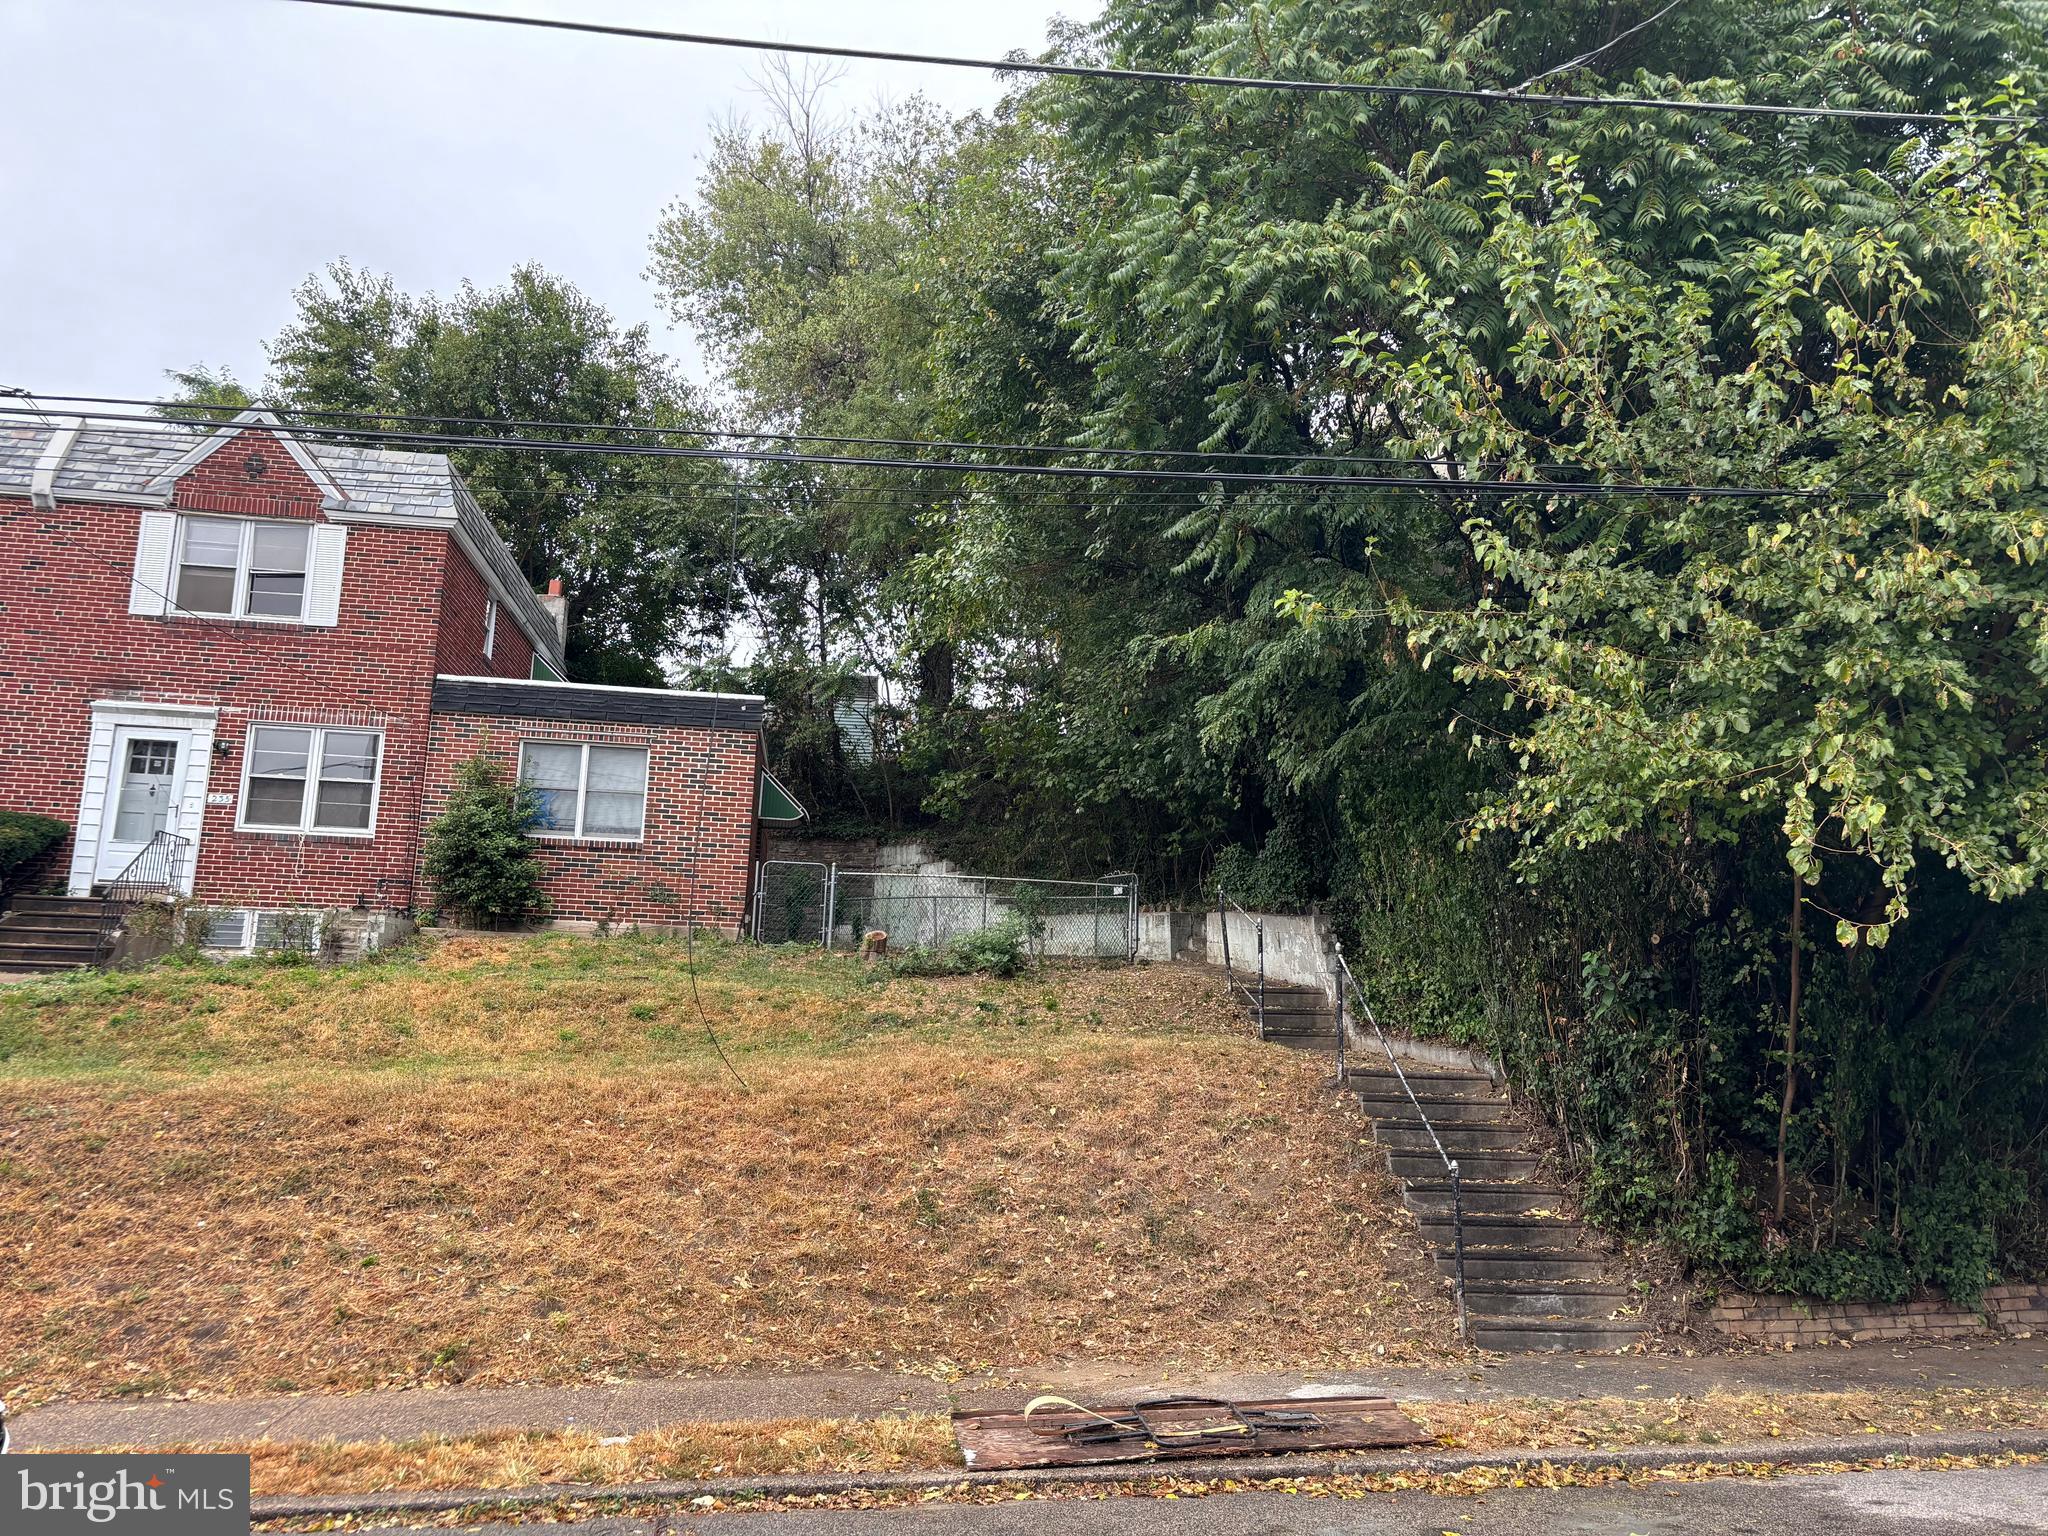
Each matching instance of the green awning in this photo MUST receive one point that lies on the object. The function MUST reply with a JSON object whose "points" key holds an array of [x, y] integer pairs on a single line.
{"points": [[776, 803]]}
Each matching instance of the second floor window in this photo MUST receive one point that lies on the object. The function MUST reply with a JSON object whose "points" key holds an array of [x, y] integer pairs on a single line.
{"points": [[490, 627], [242, 568]]}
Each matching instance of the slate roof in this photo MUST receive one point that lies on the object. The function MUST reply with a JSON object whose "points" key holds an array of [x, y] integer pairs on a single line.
{"points": [[127, 461], [123, 460]]}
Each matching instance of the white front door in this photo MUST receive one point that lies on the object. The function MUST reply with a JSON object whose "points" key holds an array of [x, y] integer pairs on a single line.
{"points": [[145, 783]]}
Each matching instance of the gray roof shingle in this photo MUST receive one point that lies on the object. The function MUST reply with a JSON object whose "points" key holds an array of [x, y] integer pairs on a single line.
{"points": [[125, 460]]}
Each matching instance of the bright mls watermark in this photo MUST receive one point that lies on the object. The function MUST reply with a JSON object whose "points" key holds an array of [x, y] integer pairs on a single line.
{"points": [[53, 1495]]}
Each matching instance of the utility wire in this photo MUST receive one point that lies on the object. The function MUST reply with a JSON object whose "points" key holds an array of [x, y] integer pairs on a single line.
{"points": [[1018, 64], [953, 445], [1593, 53], [1436, 485]]}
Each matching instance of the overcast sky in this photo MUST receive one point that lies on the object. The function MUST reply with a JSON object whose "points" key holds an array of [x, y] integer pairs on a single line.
{"points": [[176, 167]]}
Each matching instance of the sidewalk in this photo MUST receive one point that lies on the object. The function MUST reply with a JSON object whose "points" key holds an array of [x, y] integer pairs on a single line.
{"points": [[634, 1407]]}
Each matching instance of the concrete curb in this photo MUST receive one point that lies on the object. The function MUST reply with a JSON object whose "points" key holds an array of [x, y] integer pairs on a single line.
{"points": [[1243, 1468]]}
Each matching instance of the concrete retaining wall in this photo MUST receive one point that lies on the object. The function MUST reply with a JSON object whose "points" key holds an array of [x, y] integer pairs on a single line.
{"points": [[1297, 947], [2018, 1310]]}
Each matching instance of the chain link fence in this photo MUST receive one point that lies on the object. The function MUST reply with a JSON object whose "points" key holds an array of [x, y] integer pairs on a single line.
{"points": [[792, 902], [1063, 919]]}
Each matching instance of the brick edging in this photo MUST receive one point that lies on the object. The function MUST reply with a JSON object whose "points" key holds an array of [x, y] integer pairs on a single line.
{"points": [[2004, 1309]]}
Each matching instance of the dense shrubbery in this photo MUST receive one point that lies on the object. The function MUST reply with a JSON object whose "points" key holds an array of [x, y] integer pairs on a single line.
{"points": [[25, 837], [1002, 949], [1636, 997], [479, 857]]}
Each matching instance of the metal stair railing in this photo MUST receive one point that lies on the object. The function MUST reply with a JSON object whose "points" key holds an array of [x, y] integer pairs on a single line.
{"points": [[1346, 982], [151, 872], [1224, 907]]}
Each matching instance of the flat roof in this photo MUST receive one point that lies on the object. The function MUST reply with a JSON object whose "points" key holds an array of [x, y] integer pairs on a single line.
{"points": [[542, 699]]}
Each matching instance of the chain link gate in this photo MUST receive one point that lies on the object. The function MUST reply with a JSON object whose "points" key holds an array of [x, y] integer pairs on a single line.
{"points": [[792, 902]]}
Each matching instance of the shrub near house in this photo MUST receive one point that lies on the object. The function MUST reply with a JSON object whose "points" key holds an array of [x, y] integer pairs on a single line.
{"points": [[24, 839]]}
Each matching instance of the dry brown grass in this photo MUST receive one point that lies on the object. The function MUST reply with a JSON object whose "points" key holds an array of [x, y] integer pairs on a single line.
{"points": [[1716, 1418], [925, 1441], [949, 1174]]}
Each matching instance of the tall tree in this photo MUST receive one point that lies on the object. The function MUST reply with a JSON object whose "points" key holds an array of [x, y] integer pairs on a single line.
{"points": [[643, 545]]}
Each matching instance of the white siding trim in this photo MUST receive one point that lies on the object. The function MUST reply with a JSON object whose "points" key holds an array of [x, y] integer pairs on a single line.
{"points": [[196, 723], [227, 432]]}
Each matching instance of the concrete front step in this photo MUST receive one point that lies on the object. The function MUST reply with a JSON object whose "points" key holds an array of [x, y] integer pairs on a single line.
{"points": [[1483, 1231], [1529, 1266], [50, 932], [55, 906], [1322, 1045], [1488, 1167], [1441, 1111], [1413, 1136], [1553, 1335], [19, 963], [1560, 1298], [1381, 1083], [1427, 1196]]}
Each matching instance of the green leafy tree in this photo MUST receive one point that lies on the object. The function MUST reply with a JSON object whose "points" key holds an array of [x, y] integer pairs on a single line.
{"points": [[479, 858], [641, 544]]}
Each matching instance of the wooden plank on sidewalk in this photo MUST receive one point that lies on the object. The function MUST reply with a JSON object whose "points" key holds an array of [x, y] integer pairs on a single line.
{"points": [[1064, 1436]]}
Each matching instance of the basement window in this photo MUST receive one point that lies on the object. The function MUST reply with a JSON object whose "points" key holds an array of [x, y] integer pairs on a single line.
{"points": [[227, 930], [241, 931]]}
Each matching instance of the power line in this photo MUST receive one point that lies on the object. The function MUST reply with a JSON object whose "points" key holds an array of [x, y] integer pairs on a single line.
{"points": [[1435, 485], [1018, 64], [953, 445], [1593, 53]]}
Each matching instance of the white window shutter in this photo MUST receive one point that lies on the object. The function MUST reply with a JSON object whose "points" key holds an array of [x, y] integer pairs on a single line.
{"points": [[149, 587], [323, 574]]}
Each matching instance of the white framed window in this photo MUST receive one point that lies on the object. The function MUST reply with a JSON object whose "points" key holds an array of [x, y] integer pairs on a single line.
{"points": [[586, 792], [303, 778], [490, 626], [243, 568], [227, 930], [244, 931]]}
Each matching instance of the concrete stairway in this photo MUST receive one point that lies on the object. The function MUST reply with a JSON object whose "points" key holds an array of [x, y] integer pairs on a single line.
{"points": [[49, 933], [1531, 1282], [1297, 1016]]}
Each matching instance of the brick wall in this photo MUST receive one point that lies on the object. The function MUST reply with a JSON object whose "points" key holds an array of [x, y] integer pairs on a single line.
{"points": [[67, 639], [698, 840], [1781, 1320], [464, 599]]}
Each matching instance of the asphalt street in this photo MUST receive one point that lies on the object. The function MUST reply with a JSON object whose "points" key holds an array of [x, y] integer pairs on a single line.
{"points": [[1891, 1503]]}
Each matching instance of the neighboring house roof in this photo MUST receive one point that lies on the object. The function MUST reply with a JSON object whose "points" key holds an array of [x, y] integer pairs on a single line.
{"points": [[140, 463], [537, 700]]}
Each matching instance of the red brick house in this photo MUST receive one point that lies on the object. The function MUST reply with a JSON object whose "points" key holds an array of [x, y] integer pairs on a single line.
{"points": [[266, 655]]}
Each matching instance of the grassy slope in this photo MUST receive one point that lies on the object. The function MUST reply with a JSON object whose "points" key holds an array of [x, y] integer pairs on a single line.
{"points": [[520, 1160]]}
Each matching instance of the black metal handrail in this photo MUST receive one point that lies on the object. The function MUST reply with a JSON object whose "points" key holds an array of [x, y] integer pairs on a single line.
{"points": [[1346, 982], [151, 872], [1224, 907]]}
